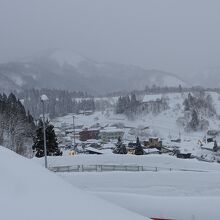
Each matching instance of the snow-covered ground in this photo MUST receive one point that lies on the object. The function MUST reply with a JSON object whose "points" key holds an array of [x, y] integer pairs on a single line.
{"points": [[28, 191], [184, 195], [172, 195], [175, 194]]}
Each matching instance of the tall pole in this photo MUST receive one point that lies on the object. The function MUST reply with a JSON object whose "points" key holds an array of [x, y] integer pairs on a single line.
{"points": [[45, 145], [74, 133]]}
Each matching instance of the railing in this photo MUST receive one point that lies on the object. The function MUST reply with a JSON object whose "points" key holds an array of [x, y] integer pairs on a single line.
{"points": [[106, 168]]}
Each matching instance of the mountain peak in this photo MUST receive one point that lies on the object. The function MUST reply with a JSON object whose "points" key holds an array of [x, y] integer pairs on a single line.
{"points": [[61, 56], [66, 56]]}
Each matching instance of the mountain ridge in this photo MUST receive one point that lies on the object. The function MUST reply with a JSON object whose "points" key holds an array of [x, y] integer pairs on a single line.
{"points": [[65, 69]]}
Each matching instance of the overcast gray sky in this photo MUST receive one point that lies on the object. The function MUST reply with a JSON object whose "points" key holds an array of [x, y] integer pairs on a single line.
{"points": [[173, 35]]}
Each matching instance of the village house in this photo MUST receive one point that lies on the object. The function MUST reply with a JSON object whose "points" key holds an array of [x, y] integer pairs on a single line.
{"points": [[110, 133], [88, 134]]}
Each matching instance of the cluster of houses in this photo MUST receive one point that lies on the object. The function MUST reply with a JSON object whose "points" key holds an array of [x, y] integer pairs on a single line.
{"points": [[94, 139], [99, 140], [66, 134]]}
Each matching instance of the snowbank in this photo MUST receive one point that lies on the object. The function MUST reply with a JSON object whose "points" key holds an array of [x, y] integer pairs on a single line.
{"points": [[28, 191]]}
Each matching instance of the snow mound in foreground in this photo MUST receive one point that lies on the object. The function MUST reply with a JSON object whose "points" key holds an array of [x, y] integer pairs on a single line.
{"points": [[28, 191]]}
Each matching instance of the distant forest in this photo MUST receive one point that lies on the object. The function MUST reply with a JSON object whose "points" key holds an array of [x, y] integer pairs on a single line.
{"points": [[60, 102], [154, 89]]}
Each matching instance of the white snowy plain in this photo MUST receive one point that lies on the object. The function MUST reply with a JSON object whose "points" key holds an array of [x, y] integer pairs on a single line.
{"points": [[29, 191], [169, 195], [175, 194]]}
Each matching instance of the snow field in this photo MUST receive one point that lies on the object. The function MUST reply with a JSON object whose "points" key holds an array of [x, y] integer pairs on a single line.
{"points": [[28, 191], [174, 195], [182, 195]]}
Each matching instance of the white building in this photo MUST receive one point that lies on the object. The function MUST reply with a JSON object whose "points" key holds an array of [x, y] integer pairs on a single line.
{"points": [[110, 133]]}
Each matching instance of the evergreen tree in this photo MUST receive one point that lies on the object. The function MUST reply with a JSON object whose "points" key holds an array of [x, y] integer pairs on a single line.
{"points": [[194, 123], [180, 88], [186, 105], [215, 148], [120, 147], [51, 141], [138, 149], [133, 99]]}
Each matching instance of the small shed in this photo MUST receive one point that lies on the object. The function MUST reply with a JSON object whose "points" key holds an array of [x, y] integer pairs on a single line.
{"points": [[153, 142]]}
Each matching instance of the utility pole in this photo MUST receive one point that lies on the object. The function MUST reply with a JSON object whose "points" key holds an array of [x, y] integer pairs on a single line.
{"points": [[43, 99], [74, 133], [179, 135], [45, 144]]}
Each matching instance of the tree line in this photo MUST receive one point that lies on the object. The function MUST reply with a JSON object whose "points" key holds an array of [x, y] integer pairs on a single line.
{"points": [[17, 127], [60, 102], [131, 107], [197, 108]]}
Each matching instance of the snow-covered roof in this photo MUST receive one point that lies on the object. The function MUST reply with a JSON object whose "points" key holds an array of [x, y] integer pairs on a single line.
{"points": [[149, 150], [94, 150], [111, 129], [208, 146], [91, 141]]}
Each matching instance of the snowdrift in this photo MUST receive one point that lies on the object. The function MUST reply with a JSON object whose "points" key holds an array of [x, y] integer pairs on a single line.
{"points": [[28, 191]]}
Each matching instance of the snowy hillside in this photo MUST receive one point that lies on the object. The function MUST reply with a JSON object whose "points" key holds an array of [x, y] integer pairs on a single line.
{"points": [[28, 191]]}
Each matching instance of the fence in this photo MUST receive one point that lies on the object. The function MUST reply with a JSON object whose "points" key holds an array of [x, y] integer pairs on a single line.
{"points": [[106, 168]]}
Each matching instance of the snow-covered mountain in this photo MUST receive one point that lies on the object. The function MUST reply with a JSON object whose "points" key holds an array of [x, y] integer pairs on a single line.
{"points": [[66, 69]]}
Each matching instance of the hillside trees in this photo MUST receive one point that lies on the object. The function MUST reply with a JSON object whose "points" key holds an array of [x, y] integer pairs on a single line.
{"points": [[197, 107], [202, 103], [60, 102], [131, 107], [16, 126], [127, 104]]}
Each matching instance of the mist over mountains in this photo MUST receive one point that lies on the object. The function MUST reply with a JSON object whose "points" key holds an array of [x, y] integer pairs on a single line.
{"points": [[65, 69]]}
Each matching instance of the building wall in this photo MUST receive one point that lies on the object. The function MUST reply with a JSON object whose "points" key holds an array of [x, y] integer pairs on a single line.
{"points": [[90, 134], [106, 136]]}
